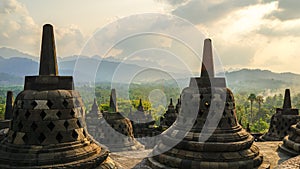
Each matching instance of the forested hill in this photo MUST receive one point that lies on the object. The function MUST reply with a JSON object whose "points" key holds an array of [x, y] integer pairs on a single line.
{"points": [[247, 80], [15, 65]]}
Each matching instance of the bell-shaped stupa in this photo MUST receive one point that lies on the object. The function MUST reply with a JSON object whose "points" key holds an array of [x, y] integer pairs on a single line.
{"points": [[93, 119], [47, 129], [117, 131], [170, 116], [291, 142], [282, 120], [211, 138]]}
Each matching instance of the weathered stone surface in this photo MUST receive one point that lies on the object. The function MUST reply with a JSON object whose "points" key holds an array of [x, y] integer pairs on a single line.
{"points": [[291, 143], [211, 139], [111, 128], [293, 163], [46, 130], [142, 123], [282, 120]]}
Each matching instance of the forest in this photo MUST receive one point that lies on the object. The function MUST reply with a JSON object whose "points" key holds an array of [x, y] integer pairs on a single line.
{"points": [[251, 108]]}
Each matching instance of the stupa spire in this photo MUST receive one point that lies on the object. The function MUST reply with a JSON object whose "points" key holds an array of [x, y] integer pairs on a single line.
{"points": [[140, 106], [171, 102], [287, 100], [207, 69], [113, 101], [9, 105], [95, 106], [48, 61]]}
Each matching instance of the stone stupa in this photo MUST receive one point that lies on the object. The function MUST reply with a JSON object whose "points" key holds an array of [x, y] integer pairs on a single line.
{"points": [[142, 122], [117, 130], [92, 119], [282, 120], [170, 116], [47, 129], [291, 142], [6, 123], [208, 143]]}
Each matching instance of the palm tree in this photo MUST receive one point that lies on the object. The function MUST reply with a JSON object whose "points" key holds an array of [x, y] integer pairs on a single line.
{"points": [[259, 100], [251, 98]]}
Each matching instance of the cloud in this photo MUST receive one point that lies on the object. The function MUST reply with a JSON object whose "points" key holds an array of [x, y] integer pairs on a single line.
{"points": [[206, 11], [287, 10], [16, 26], [19, 30], [69, 40]]}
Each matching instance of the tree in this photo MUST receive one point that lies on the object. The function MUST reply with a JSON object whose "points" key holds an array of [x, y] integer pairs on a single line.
{"points": [[259, 99], [251, 98]]}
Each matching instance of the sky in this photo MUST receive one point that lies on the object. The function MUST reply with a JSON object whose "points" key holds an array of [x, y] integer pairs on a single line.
{"points": [[253, 34]]}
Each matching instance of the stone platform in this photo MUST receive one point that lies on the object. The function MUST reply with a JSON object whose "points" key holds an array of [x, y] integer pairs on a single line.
{"points": [[277, 159]]}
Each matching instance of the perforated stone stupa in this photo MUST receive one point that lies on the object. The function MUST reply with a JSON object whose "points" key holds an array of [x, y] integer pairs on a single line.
{"points": [[93, 120], [282, 120], [142, 122], [116, 130], [47, 126], [291, 142], [171, 115], [213, 139]]}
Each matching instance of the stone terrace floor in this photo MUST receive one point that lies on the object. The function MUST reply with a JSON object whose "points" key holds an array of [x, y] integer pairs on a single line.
{"points": [[130, 159]]}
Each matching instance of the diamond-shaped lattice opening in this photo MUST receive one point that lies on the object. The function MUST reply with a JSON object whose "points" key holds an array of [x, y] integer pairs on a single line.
{"points": [[25, 138], [79, 124], [74, 134], [27, 114], [20, 125], [33, 104], [72, 113], [33, 126], [49, 104], [43, 114], [224, 113], [41, 137], [84, 133], [232, 112], [16, 113], [201, 96], [58, 114], [77, 103], [229, 121], [66, 124], [65, 103], [51, 126], [14, 135], [227, 104], [59, 137], [22, 104]]}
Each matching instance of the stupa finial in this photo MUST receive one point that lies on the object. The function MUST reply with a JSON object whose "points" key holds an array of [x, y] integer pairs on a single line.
{"points": [[9, 105], [207, 69], [140, 106], [48, 61], [287, 100], [113, 100]]}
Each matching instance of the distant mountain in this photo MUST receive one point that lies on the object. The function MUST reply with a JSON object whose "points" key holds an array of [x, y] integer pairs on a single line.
{"points": [[256, 80], [18, 66], [9, 53], [8, 79], [92, 69]]}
